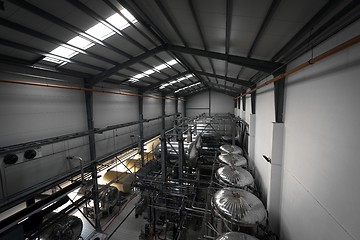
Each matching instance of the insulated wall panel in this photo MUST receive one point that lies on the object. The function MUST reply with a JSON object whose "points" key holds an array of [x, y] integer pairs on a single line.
{"points": [[221, 103], [263, 137], [29, 113], [111, 109], [152, 109], [322, 141]]}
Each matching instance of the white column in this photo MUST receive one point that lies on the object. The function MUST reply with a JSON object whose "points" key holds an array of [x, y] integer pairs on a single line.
{"points": [[274, 194]]}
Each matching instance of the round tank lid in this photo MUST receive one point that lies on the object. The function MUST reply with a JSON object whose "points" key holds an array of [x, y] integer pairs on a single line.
{"points": [[235, 236], [227, 148], [232, 159], [239, 206], [234, 176]]}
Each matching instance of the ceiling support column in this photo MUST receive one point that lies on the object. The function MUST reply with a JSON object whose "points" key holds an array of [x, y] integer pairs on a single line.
{"points": [[92, 147], [141, 129], [279, 90]]}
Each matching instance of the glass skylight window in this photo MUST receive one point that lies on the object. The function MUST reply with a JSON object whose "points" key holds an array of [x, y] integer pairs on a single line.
{"points": [[54, 60], [80, 43], [175, 81], [155, 69], [190, 86], [128, 15], [161, 67], [99, 31], [172, 62], [148, 72]]}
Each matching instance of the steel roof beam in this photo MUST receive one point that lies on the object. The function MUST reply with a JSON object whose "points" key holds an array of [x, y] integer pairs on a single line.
{"points": [[122, 34], [176, 29], [274, 5], [260, 65], [347, 15], [320, 15], [197, 22], [215, 88], [244, 83], [105, 74], [43, 14], [117, 10]]}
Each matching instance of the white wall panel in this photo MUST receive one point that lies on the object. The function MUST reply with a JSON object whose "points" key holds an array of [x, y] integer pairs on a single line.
{"points": [[169, 106], [29, 113], [110, 109], [221, 103], [248, 109], [322, 141], [263, 137], [152, 109], [218, 104]]}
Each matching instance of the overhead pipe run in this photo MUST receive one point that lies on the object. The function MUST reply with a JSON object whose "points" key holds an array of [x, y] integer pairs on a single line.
{"points": [[85, 89], [312, 61]]}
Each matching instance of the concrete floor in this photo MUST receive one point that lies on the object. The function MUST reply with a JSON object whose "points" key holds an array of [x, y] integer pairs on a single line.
{"points": [[130, 229]]}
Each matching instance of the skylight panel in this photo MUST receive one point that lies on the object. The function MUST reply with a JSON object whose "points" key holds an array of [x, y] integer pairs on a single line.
{"points": [[172, 62], [133, 80], [190, 86], [118, 21], [128, 15], [148, 72], [63, 52], [161, 67], [140, 75], [54, 60], [100, 31], [80, 42]]}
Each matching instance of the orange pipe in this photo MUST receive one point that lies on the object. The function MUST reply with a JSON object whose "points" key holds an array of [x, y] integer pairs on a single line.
{"points": [[312, 61], [84, 89]]}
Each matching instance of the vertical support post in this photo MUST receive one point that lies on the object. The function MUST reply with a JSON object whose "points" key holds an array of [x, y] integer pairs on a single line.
{"points": [[210, 102], [181, 153], [141, 130], [163, 113], [90, 122], [189, 135], [176, 111], [185, 104], [176, 105], [238, 107], [279, 92], [243, 103], [253, 101], [163, 156]]}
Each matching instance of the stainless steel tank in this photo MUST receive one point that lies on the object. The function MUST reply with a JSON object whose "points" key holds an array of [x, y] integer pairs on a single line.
{"points": [[227, 148], [238, 206], [235, 236], [236, 160], [234, 177]]}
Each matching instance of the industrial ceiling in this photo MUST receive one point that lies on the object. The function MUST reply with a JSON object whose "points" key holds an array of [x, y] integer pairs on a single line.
{"points": [[172, 47]]}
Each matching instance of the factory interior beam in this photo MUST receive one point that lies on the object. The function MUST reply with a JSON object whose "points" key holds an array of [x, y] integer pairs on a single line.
{"points": [[260, 65], [242, 82]]}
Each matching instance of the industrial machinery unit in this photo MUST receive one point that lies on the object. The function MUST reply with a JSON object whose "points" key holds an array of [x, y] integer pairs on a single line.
{"points": [[201, 187]]}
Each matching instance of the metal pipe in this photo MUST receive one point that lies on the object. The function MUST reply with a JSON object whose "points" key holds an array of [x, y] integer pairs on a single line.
{"points": [[85, 89], [312, 61], [15, 218]]}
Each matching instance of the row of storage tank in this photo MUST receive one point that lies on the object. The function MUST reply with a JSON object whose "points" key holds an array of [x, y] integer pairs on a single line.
{"points": [[236, 203]]}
